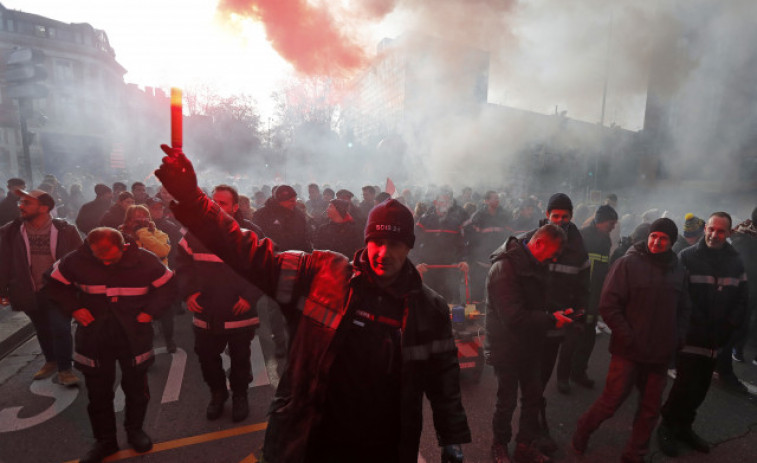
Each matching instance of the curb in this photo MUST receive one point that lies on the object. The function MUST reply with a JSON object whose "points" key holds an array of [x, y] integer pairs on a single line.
{"points": [[15, 330]]}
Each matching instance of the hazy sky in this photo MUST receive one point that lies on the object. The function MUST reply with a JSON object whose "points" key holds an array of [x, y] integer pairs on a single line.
{"points": [[175, 42]]}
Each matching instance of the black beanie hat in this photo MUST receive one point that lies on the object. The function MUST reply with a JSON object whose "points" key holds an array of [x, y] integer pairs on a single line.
{"points": [[341, 206], [666, 226], [283, 193], [391, 220], [605, 213], [560, 201]]}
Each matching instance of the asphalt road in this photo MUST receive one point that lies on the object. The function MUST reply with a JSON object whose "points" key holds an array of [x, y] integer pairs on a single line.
{"points": [[44, 422]]}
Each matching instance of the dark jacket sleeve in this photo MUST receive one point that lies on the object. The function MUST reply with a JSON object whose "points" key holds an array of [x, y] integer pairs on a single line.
{"points": [[254, 259], [443, 389], [186, 275], [612, 303], [162, 289], [739, 314], [6, 266], [684, 312], [508, 300], [60, 287]]}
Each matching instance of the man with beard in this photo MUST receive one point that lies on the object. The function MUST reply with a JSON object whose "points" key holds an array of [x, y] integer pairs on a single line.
{"points": [[29, 245], [369, 340]]}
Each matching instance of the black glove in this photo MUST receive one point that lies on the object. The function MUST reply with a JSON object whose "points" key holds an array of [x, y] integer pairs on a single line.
{"points": [[452, 454], [177, 175]]}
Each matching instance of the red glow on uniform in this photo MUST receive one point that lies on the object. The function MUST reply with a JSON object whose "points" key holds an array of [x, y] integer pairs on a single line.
{"points": [[306, 33]]}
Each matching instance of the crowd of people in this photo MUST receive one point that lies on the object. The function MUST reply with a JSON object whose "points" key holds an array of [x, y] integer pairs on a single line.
{"points": [[356, 296]]}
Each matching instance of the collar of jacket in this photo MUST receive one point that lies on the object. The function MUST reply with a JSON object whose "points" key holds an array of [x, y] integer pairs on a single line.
{"points": [[666, 259], [129, 259], [726, 250], [408, 282]]}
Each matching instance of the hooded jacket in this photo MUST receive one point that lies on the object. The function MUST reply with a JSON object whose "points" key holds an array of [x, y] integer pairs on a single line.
{"points": [[138, 282], [318, 294], [645, 303], [516, 322], [15, 276], [718, 289]]}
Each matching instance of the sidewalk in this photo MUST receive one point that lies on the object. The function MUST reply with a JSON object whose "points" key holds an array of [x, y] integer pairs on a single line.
{"points": [[15, 329]]}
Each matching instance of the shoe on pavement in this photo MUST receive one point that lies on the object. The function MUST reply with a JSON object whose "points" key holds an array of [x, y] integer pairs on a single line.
{"points": [[583, 381], [139, 440], [563, 386], [171, 346], [215, 407], [579, 442], [67, 378], [99, 451], [239, 407], [667, 440], [693, 440], [499, 454], [737, 356], [732, 383], [672, 373], [47, 370], [546, 444], [529, 453]]}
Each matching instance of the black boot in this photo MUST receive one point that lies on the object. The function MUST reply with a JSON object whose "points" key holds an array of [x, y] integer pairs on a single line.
{"points": [[215, 407], [666, 439], [688, 436], [239, 407], [139, 440], [100, 450]]}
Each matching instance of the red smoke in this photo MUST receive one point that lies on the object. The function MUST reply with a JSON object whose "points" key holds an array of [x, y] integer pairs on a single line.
{"points": [[307, 34]]}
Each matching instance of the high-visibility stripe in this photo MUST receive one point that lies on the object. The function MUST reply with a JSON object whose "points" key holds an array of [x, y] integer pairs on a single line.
{"points": [[92, 289], [57, 275], [163, 279], [142, 358], [711, 353], [242, 323], [81, 359], [110, 292], [568, 269], [228, 325], [206, 257], [424, 351], [427, 230], [711, 280], [290, 262], [140, 291], [598, 257], [380, 319], [326, 317]]}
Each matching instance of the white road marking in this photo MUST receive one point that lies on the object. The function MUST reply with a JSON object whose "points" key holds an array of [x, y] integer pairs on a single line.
{"points": [[172, 390], [64, 397]]}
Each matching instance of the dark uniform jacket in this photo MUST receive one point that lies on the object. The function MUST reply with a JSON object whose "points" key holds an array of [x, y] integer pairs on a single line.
{"points": [[516, 322], [345, 238], [15, 277], [597, 246], [645, 303], [90, 214], [485, 233], [139, 282], [113, 217], [568, 278], [317, 293], [718, 289], [287, 228], [9, 208], [220, 287], [439, 240]]}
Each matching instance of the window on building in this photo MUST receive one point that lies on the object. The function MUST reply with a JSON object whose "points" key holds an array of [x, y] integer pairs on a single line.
{"points": [[40, 31], [64, 71]]}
